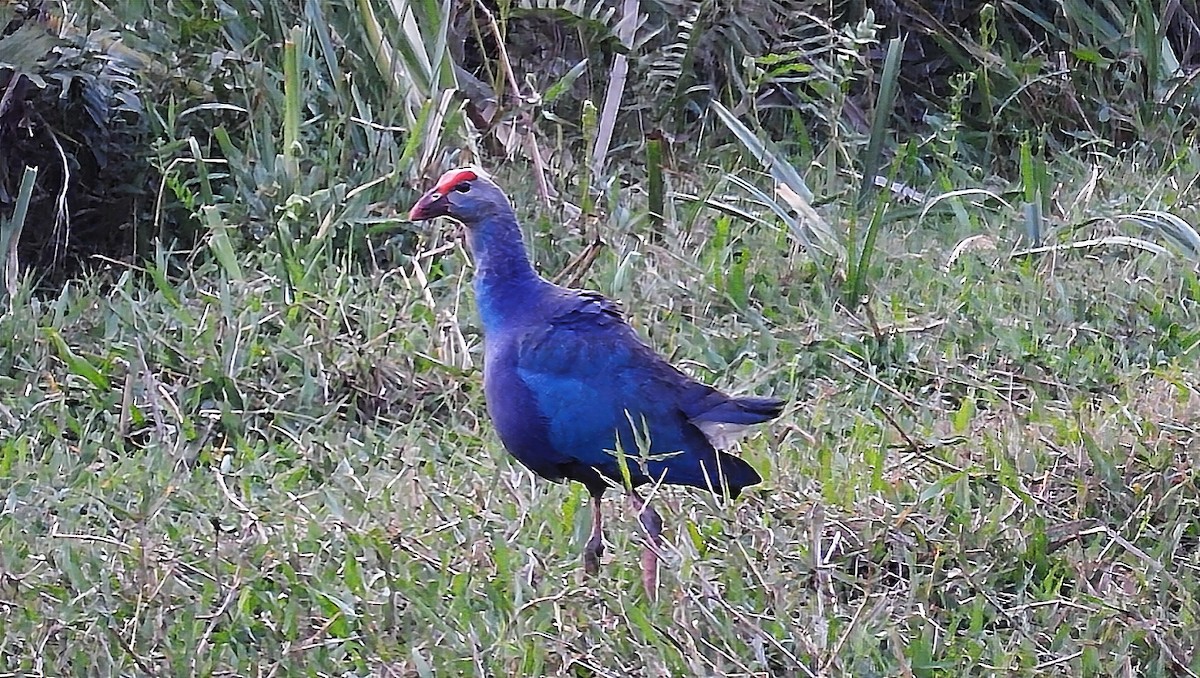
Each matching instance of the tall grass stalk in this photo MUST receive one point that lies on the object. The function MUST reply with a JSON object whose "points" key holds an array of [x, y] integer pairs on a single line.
{"points": [[872, 157], [11, 229]]}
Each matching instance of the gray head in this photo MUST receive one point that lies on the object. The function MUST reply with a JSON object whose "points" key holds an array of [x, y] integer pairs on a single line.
{"points": [[465, 194]]}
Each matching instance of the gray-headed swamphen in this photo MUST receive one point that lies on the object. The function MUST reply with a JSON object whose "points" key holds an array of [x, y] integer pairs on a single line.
{"points": [[568, 383]]}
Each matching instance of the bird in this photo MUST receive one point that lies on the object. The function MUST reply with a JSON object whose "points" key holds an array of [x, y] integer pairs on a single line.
{"points": [[573, 391]]}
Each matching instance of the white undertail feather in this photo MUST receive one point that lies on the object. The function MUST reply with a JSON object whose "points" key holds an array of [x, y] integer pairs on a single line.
{"points": [[721, 435]]}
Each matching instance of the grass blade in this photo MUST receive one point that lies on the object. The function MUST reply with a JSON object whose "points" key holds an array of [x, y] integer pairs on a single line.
{"points": [[10, 231], [872, 156], [654, 183], [563, 84], [220, 243], [292, 92], [616, 86], [1174, 227], [813, 231], [76, 363], [206, 190]]}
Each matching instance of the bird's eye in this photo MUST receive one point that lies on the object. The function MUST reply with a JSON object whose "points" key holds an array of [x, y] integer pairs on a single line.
{"points": [[463, 187]]}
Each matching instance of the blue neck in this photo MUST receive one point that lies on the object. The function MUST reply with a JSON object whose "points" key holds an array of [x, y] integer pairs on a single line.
{"points": [[505, 282]]}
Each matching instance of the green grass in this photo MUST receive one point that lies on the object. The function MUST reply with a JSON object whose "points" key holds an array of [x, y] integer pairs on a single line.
{"points": [[269, 455], [987, 469]]}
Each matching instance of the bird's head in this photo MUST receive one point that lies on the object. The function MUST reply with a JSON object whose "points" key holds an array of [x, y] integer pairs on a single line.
{"points": [[465, 194]]}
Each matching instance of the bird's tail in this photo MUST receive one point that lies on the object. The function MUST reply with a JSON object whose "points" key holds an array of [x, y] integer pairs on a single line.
{"points": [[720, 472], [744, 411], [737, 474], [721, 418]]}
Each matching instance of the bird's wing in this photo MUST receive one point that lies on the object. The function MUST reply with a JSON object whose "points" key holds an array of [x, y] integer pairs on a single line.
{"points": [[590, 340], [594, 380], [590, 373]]}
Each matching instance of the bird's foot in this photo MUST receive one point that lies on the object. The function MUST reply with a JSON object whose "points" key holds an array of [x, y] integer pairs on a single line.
{"points": [[592, 553], [650, 573], [652, 523], [594, 548]]}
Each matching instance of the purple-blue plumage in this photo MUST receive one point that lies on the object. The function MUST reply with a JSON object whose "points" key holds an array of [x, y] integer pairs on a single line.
{"points": [[568, 382]]}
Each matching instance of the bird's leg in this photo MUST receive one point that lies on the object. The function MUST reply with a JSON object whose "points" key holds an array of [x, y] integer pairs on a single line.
{"points": [[595, 544], [652, 523]]}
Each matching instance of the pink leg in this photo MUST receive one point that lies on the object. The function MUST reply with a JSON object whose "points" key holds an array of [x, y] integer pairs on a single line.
{"points": [[652, 523]]}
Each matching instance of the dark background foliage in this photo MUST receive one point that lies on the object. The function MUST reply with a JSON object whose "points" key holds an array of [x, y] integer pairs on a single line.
{"points": [[1063, 73]]}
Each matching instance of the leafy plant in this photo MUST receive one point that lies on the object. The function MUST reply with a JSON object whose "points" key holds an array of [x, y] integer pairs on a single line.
{"points": [[372, 86], [71, 108]]}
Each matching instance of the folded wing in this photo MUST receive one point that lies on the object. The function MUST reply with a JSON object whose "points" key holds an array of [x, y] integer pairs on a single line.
{"points": [[596, 383]]}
